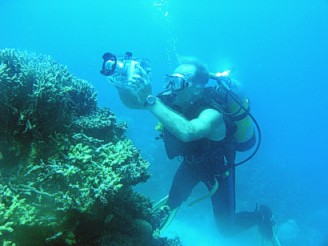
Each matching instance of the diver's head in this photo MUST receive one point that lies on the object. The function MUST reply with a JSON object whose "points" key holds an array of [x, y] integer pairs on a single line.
{"points": [[188, 80], [189, 77], [195, 69], [191, 73]]}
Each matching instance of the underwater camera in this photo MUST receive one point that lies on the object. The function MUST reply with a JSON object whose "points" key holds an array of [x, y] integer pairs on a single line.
{"points": [[120, 69]]}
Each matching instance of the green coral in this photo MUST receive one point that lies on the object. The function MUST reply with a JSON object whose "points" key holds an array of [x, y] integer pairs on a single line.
{"points": [[38, 98], [80, 153], [14, 210], [100, 124], [67, 169]]}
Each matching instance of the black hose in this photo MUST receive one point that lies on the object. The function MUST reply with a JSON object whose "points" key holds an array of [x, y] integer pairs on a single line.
{"points": [[237, 100], [258, 141]]}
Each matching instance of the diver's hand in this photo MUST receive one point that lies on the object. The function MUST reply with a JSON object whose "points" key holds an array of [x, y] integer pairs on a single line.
{"points": [[138, 89], [137, 82], [140, 80]]}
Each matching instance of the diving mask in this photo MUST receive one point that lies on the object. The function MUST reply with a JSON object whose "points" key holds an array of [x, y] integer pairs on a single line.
{"points": [[176, 81]]}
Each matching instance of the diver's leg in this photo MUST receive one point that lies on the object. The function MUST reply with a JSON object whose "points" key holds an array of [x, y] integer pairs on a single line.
{"points": [[224, 205], [223, 202], [229, 222], [183, 183]]}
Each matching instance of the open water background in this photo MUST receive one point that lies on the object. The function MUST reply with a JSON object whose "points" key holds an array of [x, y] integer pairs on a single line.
{"points": [[277, 49]]}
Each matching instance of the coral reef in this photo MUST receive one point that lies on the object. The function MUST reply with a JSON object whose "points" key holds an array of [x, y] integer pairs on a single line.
{"points": [[39, 97], [67, 170]]}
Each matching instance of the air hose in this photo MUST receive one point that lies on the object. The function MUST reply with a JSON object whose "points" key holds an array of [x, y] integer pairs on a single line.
{"points": [[221, 82]]}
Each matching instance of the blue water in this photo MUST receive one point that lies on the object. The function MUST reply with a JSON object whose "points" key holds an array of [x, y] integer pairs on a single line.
{"points": [[278, 49]]}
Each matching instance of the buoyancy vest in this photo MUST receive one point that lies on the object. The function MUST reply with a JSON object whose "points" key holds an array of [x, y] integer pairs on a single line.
{"points": [[203, 149]]}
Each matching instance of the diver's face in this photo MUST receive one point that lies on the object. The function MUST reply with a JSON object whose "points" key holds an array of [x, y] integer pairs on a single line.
{"points": [[188, 93], [181, 78]]}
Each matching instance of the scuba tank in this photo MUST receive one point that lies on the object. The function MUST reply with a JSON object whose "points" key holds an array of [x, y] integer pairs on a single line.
{"points": [[245, 128], [237, 108]]}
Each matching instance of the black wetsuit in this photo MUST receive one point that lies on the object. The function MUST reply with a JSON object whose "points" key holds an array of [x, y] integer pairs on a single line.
{"points": [[204, 161]]}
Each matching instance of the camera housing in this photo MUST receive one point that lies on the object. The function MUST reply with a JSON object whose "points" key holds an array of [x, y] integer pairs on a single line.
{"points": [[120, 69]]}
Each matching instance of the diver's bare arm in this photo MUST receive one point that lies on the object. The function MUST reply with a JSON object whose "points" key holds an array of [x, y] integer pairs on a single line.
{"points": [[184, 129]]}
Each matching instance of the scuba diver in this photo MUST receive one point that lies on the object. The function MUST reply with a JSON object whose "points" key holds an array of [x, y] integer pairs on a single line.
{"points": [[205, 126]]}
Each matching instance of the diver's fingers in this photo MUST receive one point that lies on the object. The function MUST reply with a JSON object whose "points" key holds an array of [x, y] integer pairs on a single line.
{"points": [[143, 79], [136, 82], [139, 80], [143, 73], [135, 79]]}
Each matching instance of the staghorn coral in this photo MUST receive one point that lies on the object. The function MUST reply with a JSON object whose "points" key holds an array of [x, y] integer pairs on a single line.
{"points": [[14, 210], [38, 98], [67, 169], [82, 177]]}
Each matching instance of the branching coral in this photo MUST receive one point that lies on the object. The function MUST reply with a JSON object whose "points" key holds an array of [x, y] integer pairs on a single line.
{"points": [[38, 96], [88, 177], [14, 211], [99, 124], [67, 168]]}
